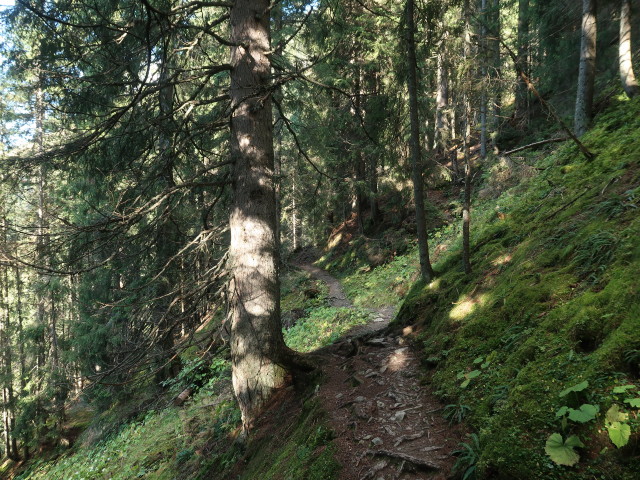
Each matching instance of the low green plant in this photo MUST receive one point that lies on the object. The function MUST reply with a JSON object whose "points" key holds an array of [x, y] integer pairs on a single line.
{"points": [[455, 413], [595, 253], [617, 420], [618, 204], [584, 414], [632, 358], [468, 455], [468, 376], [184, 456], [617, 427], [562, 451], [579, 387]]}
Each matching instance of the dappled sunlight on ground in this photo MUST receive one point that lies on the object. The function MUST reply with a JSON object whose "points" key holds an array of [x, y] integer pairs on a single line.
{"points": [[466, 306], [397, 360], [502, 260], [335, 241], [435, 285]]}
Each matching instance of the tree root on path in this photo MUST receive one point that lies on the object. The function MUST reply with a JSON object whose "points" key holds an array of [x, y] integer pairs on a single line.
{"points": [[418, 462]]}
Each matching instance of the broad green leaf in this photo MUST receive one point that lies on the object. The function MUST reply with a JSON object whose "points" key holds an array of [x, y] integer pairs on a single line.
{"points": [[460, 376], [473, 374], [619, 433], [586, 413], [478, 360], [579, 416], [573, 441], [615, 415], [634, 402], [562, 452], [576, 388], [623, 388], [562, 411], [465, 384]]}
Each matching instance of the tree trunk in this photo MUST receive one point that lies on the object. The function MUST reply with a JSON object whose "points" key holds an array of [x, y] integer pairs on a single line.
{"points": [[42, 243], [373, 191], [295, 230], [11, 446], [494, 45], [483, 78], [258, 353], [278, 123], [426, 271], [466, 206], [359, 163], [167, 243], [629, 82], [522, 93], [42, 238], [20, 338], [442, 100], [374, 80], [20, 333], [587, 73]]}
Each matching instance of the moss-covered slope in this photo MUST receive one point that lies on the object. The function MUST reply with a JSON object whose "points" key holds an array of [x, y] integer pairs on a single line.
{"points": [[554, 301]]}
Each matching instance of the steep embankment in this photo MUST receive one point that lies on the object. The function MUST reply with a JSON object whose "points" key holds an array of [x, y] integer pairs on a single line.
{"points": [[542, 341]]}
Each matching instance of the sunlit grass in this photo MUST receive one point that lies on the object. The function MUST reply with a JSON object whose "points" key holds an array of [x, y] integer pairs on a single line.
{"points": [[323, 326]]}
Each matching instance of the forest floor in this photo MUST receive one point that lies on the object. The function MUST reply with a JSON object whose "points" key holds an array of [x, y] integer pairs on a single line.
{"points": [[388, 425]]}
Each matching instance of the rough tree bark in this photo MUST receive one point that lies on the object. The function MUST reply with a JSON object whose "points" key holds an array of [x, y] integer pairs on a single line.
{"points": [[258, 353], [426, 271], [587, 73], [627, 77]]}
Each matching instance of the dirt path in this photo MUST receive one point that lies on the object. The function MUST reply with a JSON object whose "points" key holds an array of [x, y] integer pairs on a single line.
{"points": [[337, 298], [388, 426]]}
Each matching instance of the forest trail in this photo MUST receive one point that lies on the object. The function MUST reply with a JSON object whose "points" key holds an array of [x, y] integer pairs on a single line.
{"points": [[387, 424]]}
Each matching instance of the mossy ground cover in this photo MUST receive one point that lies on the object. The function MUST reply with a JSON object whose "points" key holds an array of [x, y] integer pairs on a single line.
{"points": [[317, 324], [373, 287], [167, 443], [196, 441], [300, 448], [553, 301]]}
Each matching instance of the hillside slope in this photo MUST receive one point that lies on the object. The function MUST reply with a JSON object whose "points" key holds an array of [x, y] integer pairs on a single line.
{"points": [[543, 339]]}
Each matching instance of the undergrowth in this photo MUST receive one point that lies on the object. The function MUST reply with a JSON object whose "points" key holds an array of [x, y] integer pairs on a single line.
{"points": [[552, 302], [323, 326], [168, 443], [197, 440]]}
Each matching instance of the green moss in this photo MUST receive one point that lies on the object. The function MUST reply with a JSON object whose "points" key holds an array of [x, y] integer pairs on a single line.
{"points": [[307, 453], [553, 300], [323, 326], [300, 292]]}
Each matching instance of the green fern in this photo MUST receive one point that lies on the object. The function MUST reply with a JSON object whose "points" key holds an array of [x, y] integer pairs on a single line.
{"points": [[468, 455]]}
